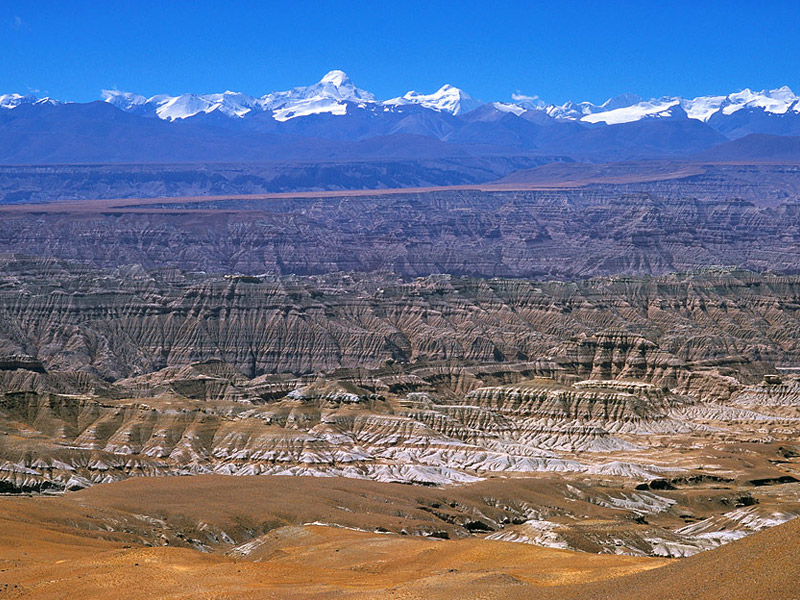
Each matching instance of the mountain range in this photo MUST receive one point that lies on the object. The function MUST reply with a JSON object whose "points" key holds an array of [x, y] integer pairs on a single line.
{"points": [[335, 120]]}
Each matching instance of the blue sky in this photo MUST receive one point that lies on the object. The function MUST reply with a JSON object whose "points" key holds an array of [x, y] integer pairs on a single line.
{"points": [[557, 50]]}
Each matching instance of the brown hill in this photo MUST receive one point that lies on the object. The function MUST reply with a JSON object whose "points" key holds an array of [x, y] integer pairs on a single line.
{"points": [[88, 546]]}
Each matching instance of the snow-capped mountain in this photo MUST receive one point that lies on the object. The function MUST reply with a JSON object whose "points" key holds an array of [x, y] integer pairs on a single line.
{"points": [[123, 100], [578, 110], [660, 108], [629, 108], [331, 94], [169, 108], [447, 99], [333, 118], [335, 92], [14, 100]]}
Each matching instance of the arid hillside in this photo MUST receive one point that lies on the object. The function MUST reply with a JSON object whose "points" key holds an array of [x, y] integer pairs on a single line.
{"points": [[93, 544]]}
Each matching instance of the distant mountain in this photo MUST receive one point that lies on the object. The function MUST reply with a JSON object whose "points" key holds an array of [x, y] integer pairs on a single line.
{"points": [[334, 119], [756, 148], [330, 95], [728, 114], [98, 132], [15, 100], [735, 114]]}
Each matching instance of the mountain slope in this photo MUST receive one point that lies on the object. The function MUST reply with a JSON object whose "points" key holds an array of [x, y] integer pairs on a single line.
{"points": [[640, 139], [756, 147], [100, 133], [763, 565]]}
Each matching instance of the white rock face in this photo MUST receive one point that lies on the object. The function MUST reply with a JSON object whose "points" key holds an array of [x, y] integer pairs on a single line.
{"points": [[538, 532]]}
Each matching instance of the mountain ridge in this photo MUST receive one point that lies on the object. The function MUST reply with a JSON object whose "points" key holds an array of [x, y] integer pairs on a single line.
{"points": [[337, 87], [333, 119]]}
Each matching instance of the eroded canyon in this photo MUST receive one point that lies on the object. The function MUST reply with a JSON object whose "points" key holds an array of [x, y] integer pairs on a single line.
{"points": [[411, 392], [652, 416]]}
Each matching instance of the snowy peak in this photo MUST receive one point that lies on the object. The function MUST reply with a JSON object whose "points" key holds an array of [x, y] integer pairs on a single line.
{"points": [[330, 95], [170, 108], [629, 108], [122, 100], [507, 107], [335, 85], [336, 94], [228, 103], [528, 102], [336, 78], [14, 100], [448, 99], [778, 101], [621, 101], [703, 107], [651, 109]]}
